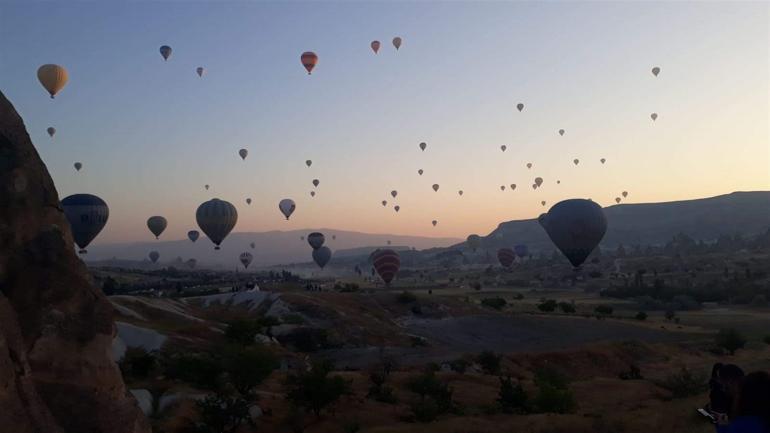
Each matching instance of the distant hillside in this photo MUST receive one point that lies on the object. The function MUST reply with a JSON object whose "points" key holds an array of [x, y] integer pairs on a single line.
{"points": [[706, 219], [271, 248]]}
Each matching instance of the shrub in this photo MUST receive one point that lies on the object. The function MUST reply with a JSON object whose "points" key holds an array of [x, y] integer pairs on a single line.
{"points": [[603, 310], [511, 397], [406, 297], [137, 363], [459, 365], [242, 331], [547, 305], [641, 315], [518, 296], [489, 362], [425, 410], [554, 400], [633, 373], [684, 383], [315, 390], [199, 369], [496, 303], [730, 340], [247, 367], [435, 396], [222, 414], [546, 376], [567, 307], [307, 339]]}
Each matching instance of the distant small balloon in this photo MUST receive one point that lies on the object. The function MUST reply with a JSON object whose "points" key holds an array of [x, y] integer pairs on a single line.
{"points": [[397, 42], [157, 224], [51, 131], [308, 163], [154, 256], [513, 186], [460, 192], [502, 187], [384, 202], [503, 147], [388, 242], [542, 202], [529, 165], [561, 132], [434, 222], [53, 78], [419, 172], [520, 106], [287, 207], [245, 259], [576, 161], [206, 186], [312, 193], [78, 166], [423, 145], [200, 71], [558, 182], [602, 160], [397, 208], [316, 182], [309, 59], [244, 153], [625, 194], [193, 235], [534, 186], [654, 116], [538, 181], [253, 245], [165, 51], [617, 199], [248, 201], [375, 46], [435, 187], [87, 215], [656, 71], [321, 256], [316, 240], [394, 193]]}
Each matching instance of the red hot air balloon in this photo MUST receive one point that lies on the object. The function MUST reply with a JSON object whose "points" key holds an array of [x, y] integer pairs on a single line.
{"points": [[386, 263], [309, 60], [506, 256]]}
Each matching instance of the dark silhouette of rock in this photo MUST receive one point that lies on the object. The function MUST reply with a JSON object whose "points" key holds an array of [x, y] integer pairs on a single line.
{"points": [[56, 328]]}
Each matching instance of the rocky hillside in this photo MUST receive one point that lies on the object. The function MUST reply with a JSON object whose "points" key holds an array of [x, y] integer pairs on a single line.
{"points": [[56, 328]]}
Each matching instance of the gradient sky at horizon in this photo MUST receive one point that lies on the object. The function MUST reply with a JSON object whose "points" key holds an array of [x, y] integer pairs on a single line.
{"points": [[150, 133]]}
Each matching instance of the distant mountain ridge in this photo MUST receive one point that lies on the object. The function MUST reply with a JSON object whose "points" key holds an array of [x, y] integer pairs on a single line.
{"points": [[704, 219]]}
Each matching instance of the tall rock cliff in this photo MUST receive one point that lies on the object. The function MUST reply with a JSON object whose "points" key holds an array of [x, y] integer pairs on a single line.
{"points": [[56, 328]]}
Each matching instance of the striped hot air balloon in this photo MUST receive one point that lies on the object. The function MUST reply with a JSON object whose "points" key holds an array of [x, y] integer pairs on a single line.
{"points": [[506, 256], [386, 263]]}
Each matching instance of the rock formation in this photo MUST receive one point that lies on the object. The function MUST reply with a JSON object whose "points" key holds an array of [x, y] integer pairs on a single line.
{"points": [[56, 328]]}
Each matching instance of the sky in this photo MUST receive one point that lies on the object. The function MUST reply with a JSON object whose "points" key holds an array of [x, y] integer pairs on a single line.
{"points": [[151, 134]]}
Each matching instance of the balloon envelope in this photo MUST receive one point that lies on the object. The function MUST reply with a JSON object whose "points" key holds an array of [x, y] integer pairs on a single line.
{"points": [[51, 131], [655, 71], [375, 47], [165, 51], [156, 224], [245, 259], [216, 218], [77, 166], [576, 227], [243, 153], [193, 235], [561, 132], [435, 187], [506, 256], [503, 147], [87, 215], [316, 182], [316, 240], [53, 78], [321, 256], [394, 193], [154, 256], [396, 208], [519, 106], [200, 71], [423, 145], [308, 163], [287, 207], [309, 59], [387, 263], [397, 42]]}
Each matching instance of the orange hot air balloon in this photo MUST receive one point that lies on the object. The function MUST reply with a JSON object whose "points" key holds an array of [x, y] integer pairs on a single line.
{"points": [[309, 60], [53, 78], [375, 46]]}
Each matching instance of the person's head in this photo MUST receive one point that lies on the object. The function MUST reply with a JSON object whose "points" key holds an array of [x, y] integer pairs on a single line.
{"points": [[730, 376], [753, 399]]}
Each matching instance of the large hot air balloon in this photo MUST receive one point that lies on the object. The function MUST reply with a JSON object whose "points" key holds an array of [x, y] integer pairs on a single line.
{"points": [[386, 262], [321, 256], [375, 47], [308, 163], [316, 240], [538, 181], [576, 227], [53, 78], [473, 241], [394, 193], [165, 51], [503, 147], [200, 71], [316, 182], [87, 215], [154, 256], [193, 235], [243, 153], [435, 187], [397, 42], [156, 224], [506, 256], [561, 132], [423, 145], [654, 116], [78, 165], [521, 250], [309, 60], [287, 206], [246, 259], [216, 218], [656, 71], [51, 131], [519, 106]]}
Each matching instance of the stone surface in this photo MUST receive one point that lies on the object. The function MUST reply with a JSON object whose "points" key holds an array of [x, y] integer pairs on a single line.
{"points": [[56, 328]]}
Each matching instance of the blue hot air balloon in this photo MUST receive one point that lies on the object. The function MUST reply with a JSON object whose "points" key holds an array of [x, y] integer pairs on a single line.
{"points": [[321, 256], [87, 215]]}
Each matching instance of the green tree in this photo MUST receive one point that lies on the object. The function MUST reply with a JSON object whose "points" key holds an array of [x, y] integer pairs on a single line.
{"points": [[315, 390], [222, 414], [242, 331], [247, 367], [511, 397]]}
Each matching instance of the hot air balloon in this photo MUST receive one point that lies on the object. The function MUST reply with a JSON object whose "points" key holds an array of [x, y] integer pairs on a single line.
{"points": [[193, 235], [388, 241], [542, 203], [460, 193], [602, 160], [78, 166], [87, 215], [312, 193], [200, 71], [655, 71], [309, 60], [519, 106], [384, 202], [375, 47], [396, 208], [617, 199], [316, 240], [397, 42], [419, 172], [321, 256], [206, 186], [558, 182], [243, 153], [216, 218], [625, 194], [308, 163], [529, 165], [165, 51], [156, 224], [534, 186], [154, 256], [287, 206], [513, 186], [394, 193], [248, 201], [253, 245], [423, 145], [503, 147], [434, 222], [538, 181], [246, 259], [654, 116], [51, 131], [576, 161], [561, 132], [191, 263], [435, 187], [316, 182], [53, 78], [387, 263], [502, 187], [521, 250], [506, 256], [576, 227], [473, 241]]}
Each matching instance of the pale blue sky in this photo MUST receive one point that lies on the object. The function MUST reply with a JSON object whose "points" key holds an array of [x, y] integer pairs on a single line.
{"points": [[151, 133]]}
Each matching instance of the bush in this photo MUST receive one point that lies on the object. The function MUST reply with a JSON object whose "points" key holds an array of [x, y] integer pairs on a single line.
{"points": [[567, 307], [406, 297], [307, 339], [518, 296], [435, 396], [546, 376], [315, 390], [496, 303], [460, 365], [137, 363], [633, 373], [222, 414], [730, 340], [554, 400], [547, 305], [641, 316], [242, 331], [684, 383], [199, 369], [425, 410], [511, 397], [489, 362], [603, 310], [247, 367]]}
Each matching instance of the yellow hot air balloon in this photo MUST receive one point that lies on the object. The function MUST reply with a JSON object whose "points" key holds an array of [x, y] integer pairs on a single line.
{"points": [[53, 78]]}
